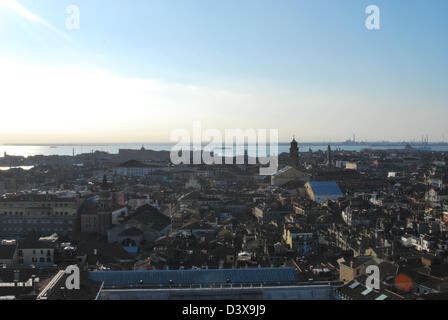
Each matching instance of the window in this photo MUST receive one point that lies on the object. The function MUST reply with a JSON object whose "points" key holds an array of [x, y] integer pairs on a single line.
{"points": [[42, 260]]}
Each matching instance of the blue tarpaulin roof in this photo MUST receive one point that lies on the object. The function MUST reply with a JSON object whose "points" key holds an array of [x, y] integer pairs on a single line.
{"points": [[325, 187], [131, 250], [188, 277]]}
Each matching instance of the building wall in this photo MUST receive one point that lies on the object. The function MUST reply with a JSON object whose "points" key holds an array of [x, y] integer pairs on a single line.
{"points": [[266, 215], [306, 292], [347, 274], [89, 223], [324, 197], [17, 218], [10, 262], [136, 171], [132, 172], [302, 243], [351, 165], [38, 257]]}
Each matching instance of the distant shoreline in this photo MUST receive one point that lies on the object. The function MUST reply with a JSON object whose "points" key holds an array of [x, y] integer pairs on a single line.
{"points": [[68, 150], [354, 144]]}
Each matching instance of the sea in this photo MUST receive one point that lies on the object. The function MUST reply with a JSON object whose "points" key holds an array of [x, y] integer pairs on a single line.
{"points": [[76, 149]]}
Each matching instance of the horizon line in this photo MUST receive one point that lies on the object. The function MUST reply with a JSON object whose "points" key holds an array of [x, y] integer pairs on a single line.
{"points": [[208, 142]]}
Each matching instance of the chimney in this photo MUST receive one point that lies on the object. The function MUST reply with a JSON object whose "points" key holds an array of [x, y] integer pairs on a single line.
{"points": [[16, 275], [351, 264], [34, 283]]}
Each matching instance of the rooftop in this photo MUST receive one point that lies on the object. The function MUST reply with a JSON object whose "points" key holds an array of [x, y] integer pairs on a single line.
{"points": [[325, 187], [190, 277], [7, 251]]}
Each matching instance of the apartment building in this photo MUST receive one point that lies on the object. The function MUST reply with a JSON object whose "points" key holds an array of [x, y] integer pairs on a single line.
{"points": [[37, 253], [302, 242], [37, 214]]}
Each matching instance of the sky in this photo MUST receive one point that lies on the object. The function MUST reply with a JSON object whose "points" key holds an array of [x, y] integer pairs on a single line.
{"points": [[137, 70]]}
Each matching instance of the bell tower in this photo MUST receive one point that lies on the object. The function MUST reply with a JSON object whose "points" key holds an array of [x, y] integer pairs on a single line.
{"points": [[294, 154], [329, 157]]}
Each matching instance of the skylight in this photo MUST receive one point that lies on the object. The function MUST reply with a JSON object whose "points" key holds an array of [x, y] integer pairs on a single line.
{"points": [[367, 291]]}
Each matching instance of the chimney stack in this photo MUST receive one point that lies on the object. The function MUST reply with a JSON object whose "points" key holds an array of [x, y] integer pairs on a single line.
{"points": [[17, 275]]}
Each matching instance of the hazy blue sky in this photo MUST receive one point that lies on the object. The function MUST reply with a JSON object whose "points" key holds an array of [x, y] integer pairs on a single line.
{"points": [[136, 70]]}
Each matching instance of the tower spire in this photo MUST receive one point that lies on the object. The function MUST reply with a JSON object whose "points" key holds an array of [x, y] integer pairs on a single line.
{"points": [[294, 154]]}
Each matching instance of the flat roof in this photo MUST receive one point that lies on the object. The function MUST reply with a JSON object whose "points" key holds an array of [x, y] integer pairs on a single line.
{"points": [[188, 277]]}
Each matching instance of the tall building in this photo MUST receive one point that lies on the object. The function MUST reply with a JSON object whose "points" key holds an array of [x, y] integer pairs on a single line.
{"points": [[329, 157], [294, 154]]}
